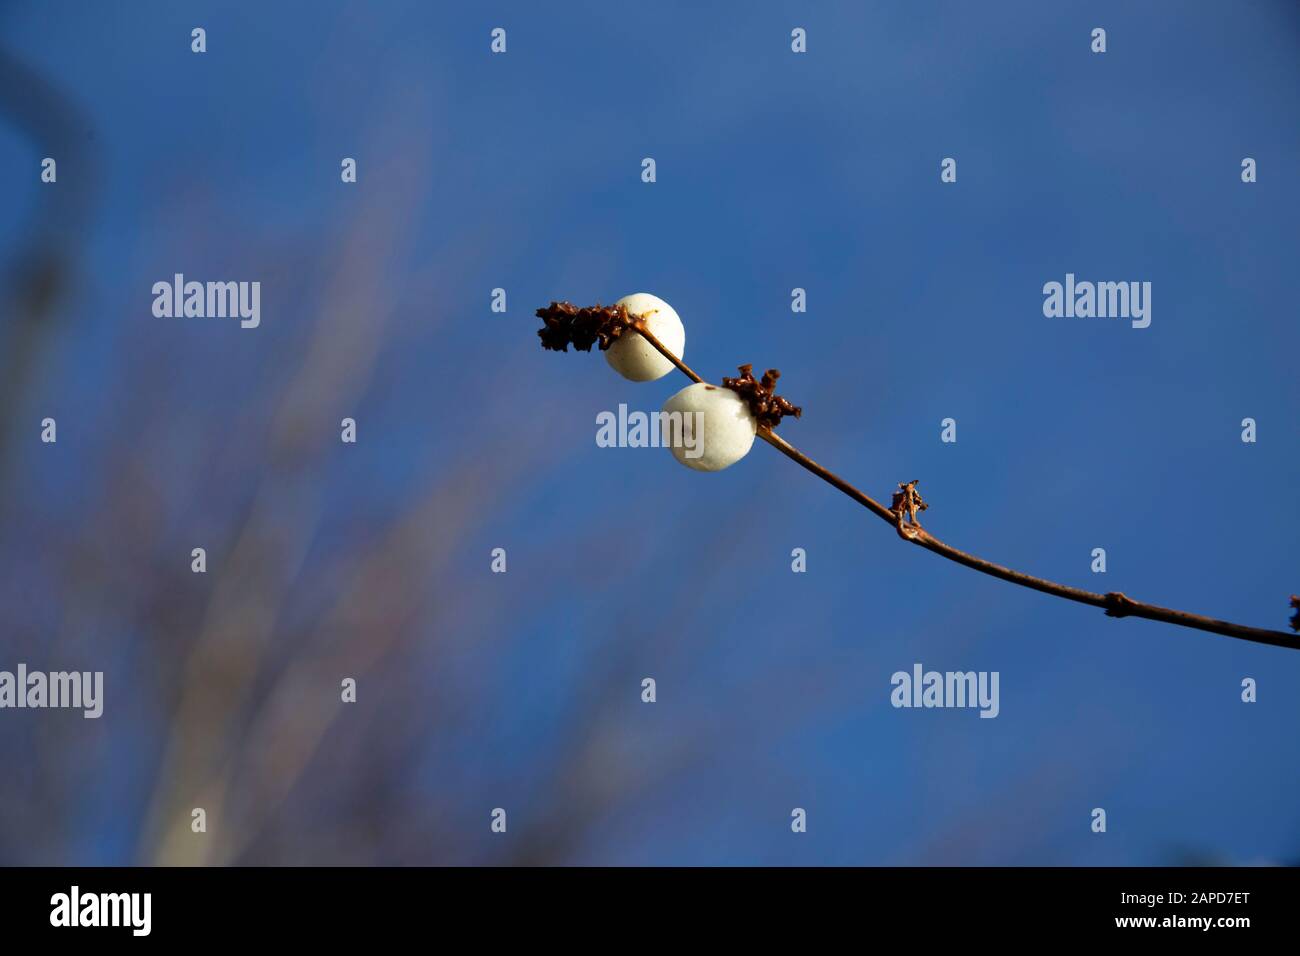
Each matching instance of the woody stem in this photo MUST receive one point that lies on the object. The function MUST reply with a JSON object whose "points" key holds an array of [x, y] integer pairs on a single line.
{"points": [[1114, 603]]}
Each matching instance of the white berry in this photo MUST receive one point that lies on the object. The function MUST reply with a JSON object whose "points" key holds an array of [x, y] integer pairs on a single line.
{"points": [[635, 358], [727, 432]]}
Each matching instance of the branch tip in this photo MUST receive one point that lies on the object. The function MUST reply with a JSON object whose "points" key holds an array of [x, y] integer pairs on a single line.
{"points": [[566, 324]]}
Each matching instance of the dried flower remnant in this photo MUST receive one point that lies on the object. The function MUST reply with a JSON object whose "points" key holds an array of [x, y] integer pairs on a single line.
{"points": [[906, 503], [565, 324], [1295, 618], [768, 407]]}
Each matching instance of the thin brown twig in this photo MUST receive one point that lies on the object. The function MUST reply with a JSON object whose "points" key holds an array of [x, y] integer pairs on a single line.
{"points": [[1114, 603]]}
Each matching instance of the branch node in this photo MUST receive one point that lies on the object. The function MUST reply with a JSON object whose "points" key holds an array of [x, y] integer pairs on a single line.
{"points": [[1119, 604], [1295, 618]]}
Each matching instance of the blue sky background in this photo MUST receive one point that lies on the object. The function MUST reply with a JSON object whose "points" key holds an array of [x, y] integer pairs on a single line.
{"points": [[521, 690]]}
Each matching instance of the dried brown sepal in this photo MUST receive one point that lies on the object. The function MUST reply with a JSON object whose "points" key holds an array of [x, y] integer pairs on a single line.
{"points": [[1295, 618], [906, 503], [768, 407], [565, 324]]}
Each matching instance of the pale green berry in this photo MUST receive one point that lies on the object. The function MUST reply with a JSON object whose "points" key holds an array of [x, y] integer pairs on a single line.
{"points": [[717, 428], [635, 358]]}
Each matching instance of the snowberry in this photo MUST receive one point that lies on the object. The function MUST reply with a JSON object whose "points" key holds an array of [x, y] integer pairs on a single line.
{"points": [[717, 428], [635, 358]]}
